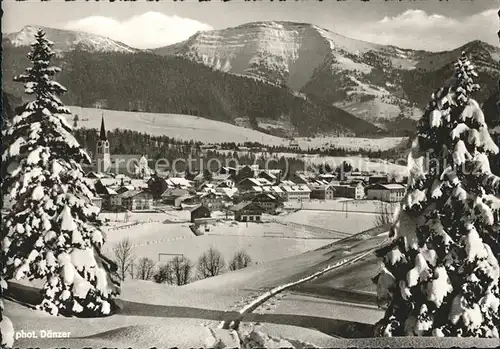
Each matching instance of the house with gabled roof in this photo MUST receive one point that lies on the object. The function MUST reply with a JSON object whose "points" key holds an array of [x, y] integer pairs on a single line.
{"points": [[222, 179], [136, 200], [186, 201], [171, 194], [269, 202], [247, 211], [215, 201], [247, 184], [244, 172], [268, 175], [322, 191], [199, 213], [296, 192]]}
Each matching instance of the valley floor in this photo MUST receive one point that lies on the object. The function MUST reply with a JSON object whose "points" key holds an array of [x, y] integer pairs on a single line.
{"points": [[338, 304]]}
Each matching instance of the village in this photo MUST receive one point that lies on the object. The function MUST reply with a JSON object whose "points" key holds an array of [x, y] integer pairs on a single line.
{"points": [[243, 193]]}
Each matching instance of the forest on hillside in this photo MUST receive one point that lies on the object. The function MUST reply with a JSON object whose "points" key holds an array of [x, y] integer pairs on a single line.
{"points": [[151, 83]]}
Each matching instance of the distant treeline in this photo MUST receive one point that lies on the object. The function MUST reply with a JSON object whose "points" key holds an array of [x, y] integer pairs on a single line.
{"points": [[171, 149], [230, 153]]}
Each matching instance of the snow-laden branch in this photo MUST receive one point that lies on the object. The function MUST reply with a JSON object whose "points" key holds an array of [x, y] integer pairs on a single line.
{"points": [[491, 184]]}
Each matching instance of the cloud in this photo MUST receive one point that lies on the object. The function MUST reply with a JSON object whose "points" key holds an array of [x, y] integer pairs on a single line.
{"points": [[419, 30], [148, 30]]}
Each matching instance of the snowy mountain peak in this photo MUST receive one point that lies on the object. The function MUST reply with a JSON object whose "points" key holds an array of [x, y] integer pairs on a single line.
{"points": [[68, 40], [363, 78]]}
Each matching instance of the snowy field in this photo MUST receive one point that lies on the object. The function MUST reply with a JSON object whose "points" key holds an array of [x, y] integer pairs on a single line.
{"points": [[262, 241], [153, 314], [188, 127], [278, 237], [173, 216], [341, 204], [179, 315], [338, 221], [350, 143]]}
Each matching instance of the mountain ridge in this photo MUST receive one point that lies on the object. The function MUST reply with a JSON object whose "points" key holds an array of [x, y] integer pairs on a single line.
{"points": [[382, 85], [366, 79], [67, 40]]}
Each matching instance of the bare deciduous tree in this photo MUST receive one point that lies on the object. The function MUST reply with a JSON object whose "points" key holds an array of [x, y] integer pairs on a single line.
{"points": [[145, 268], [124, 257], [175, 272], [164, 274], [240, 260], [211, 263], [181, 268]]}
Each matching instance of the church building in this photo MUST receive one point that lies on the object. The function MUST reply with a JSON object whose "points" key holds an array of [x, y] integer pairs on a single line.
{"points": [[128, 164]]}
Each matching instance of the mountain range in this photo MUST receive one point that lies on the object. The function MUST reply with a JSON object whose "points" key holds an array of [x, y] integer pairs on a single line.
{"points": [[283, 78]]}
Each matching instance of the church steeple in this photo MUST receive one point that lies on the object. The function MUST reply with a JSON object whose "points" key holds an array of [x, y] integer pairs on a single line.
{"points": [[103, 136], [103, 158]]}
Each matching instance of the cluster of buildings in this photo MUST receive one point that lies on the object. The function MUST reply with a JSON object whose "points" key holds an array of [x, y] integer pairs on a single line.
{"points": [[247, 191]]}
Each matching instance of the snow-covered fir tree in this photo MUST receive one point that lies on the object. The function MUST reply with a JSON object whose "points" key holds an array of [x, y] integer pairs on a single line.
{"points": [[440, 274], [52, 230]]}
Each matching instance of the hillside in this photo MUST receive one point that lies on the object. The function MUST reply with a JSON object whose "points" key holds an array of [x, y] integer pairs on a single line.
{"points": [[385, 85], [183, 127], [148, 82], [67, 40]]}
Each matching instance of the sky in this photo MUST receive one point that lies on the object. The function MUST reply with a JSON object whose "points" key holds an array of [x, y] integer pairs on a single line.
{"points": [[433, 25]]}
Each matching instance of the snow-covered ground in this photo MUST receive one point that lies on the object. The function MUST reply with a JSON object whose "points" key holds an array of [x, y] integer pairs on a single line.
{"points": [[350, 143], [337, 221], [262, 241], [153, 314], [188, 127], [341, 204]]}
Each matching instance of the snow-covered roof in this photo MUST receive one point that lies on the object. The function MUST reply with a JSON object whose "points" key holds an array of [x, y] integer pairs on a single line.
{"points": [[111, 191], [277, 189], [242, 205], [174, 192], [391, 186], [252, 180], [229, 191], [304, 188], [268, 195], [179, 181], [268, 173], [206, 185], [107, 182], [138, 183], [131, 193], [221, 177], [257, 188], [197, 207]]}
